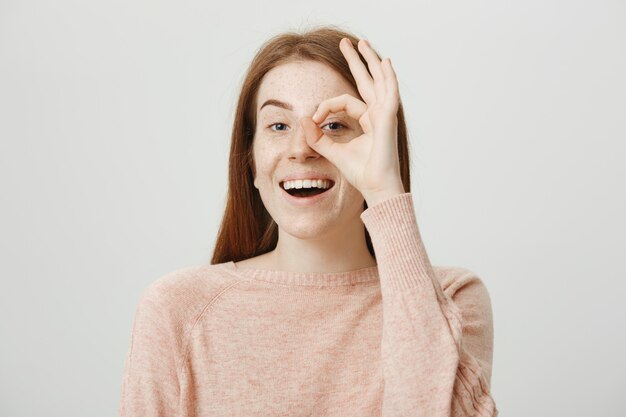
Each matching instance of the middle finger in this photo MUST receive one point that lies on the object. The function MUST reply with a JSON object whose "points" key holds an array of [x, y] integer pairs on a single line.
{"points": [[363, 79], [375, 67]]}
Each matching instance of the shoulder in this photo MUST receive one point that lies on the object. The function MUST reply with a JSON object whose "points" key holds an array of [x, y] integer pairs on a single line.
{"points": [[183, 293], [463, 284]]}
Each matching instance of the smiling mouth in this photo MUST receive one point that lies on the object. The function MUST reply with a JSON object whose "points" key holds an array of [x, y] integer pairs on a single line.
{"points": [[307, 192]]}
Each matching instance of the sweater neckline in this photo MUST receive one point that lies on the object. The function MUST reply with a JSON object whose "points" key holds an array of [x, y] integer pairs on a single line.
{"points": [[327, 279]]}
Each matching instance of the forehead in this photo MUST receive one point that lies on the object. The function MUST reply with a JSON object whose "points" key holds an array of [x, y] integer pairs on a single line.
{"points": [[302, 84]]}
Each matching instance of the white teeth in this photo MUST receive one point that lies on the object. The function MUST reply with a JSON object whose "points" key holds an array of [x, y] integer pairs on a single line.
{"points": [[306, 184]]}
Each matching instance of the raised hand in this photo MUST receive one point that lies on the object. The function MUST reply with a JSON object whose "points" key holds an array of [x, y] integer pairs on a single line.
{"points": [[369, 162]]}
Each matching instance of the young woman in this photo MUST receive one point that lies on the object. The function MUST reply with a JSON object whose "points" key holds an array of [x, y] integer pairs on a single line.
{"points": [[320, 299]]}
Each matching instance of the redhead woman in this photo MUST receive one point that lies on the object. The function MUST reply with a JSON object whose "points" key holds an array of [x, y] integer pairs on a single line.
{"points": [[320, 299]]}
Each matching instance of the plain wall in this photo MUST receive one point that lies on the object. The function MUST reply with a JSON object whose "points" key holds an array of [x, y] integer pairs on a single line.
{"points": [[115, 122]]}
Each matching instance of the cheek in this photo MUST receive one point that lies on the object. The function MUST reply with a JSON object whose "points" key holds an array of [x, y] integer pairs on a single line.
{"points": [[265, 160]]}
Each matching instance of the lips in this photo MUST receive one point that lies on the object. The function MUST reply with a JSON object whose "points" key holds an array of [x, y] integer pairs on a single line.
{"points": [[309, 200]]}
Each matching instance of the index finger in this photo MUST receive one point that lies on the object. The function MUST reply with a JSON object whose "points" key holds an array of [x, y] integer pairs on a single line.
{"points": [[354, 107]]}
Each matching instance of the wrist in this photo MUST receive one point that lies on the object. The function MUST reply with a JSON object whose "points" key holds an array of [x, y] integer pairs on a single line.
{"points": [[376, 197]]}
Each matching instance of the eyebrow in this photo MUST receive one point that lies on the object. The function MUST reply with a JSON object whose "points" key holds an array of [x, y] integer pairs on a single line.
{"points": [[277, 103], [287, 106]]}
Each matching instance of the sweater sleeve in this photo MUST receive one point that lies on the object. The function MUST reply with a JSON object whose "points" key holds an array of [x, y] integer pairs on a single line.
{"points": [[150, 385], [436, 349]]}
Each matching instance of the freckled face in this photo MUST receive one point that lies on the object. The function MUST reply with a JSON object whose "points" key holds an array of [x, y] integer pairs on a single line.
{"points": [[280, 148]]}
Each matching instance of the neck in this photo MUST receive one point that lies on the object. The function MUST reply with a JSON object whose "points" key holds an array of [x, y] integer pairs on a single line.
{"points": [[343, 249]]}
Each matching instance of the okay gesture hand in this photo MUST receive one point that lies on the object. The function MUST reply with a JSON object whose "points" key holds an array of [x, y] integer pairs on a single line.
{"points": [[369, 162]]}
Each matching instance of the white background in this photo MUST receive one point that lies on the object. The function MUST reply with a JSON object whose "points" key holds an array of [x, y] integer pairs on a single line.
{"points": [[115, 122]]}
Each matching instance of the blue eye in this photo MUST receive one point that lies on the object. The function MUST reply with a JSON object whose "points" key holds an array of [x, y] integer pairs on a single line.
{"points": [[277, 124]]}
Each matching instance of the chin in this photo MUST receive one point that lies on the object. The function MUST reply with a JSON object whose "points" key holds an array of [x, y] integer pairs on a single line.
{"points": [[305, 231]]}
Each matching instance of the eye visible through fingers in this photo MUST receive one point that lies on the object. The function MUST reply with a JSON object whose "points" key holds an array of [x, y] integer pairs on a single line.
{"points": [[337, 126]]}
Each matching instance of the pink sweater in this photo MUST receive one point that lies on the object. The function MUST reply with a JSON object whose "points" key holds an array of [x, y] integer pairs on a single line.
{"points": [[403, 338]]}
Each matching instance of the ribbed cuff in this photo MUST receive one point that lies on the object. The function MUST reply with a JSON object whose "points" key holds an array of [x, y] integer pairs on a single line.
{"points": [[400, 253]]}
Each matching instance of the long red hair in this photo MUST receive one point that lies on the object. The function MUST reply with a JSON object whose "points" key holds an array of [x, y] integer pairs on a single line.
{"points": [[247, 229]]}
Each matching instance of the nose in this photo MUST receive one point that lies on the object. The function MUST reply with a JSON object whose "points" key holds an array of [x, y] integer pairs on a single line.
{"points": [[299, 149]]}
